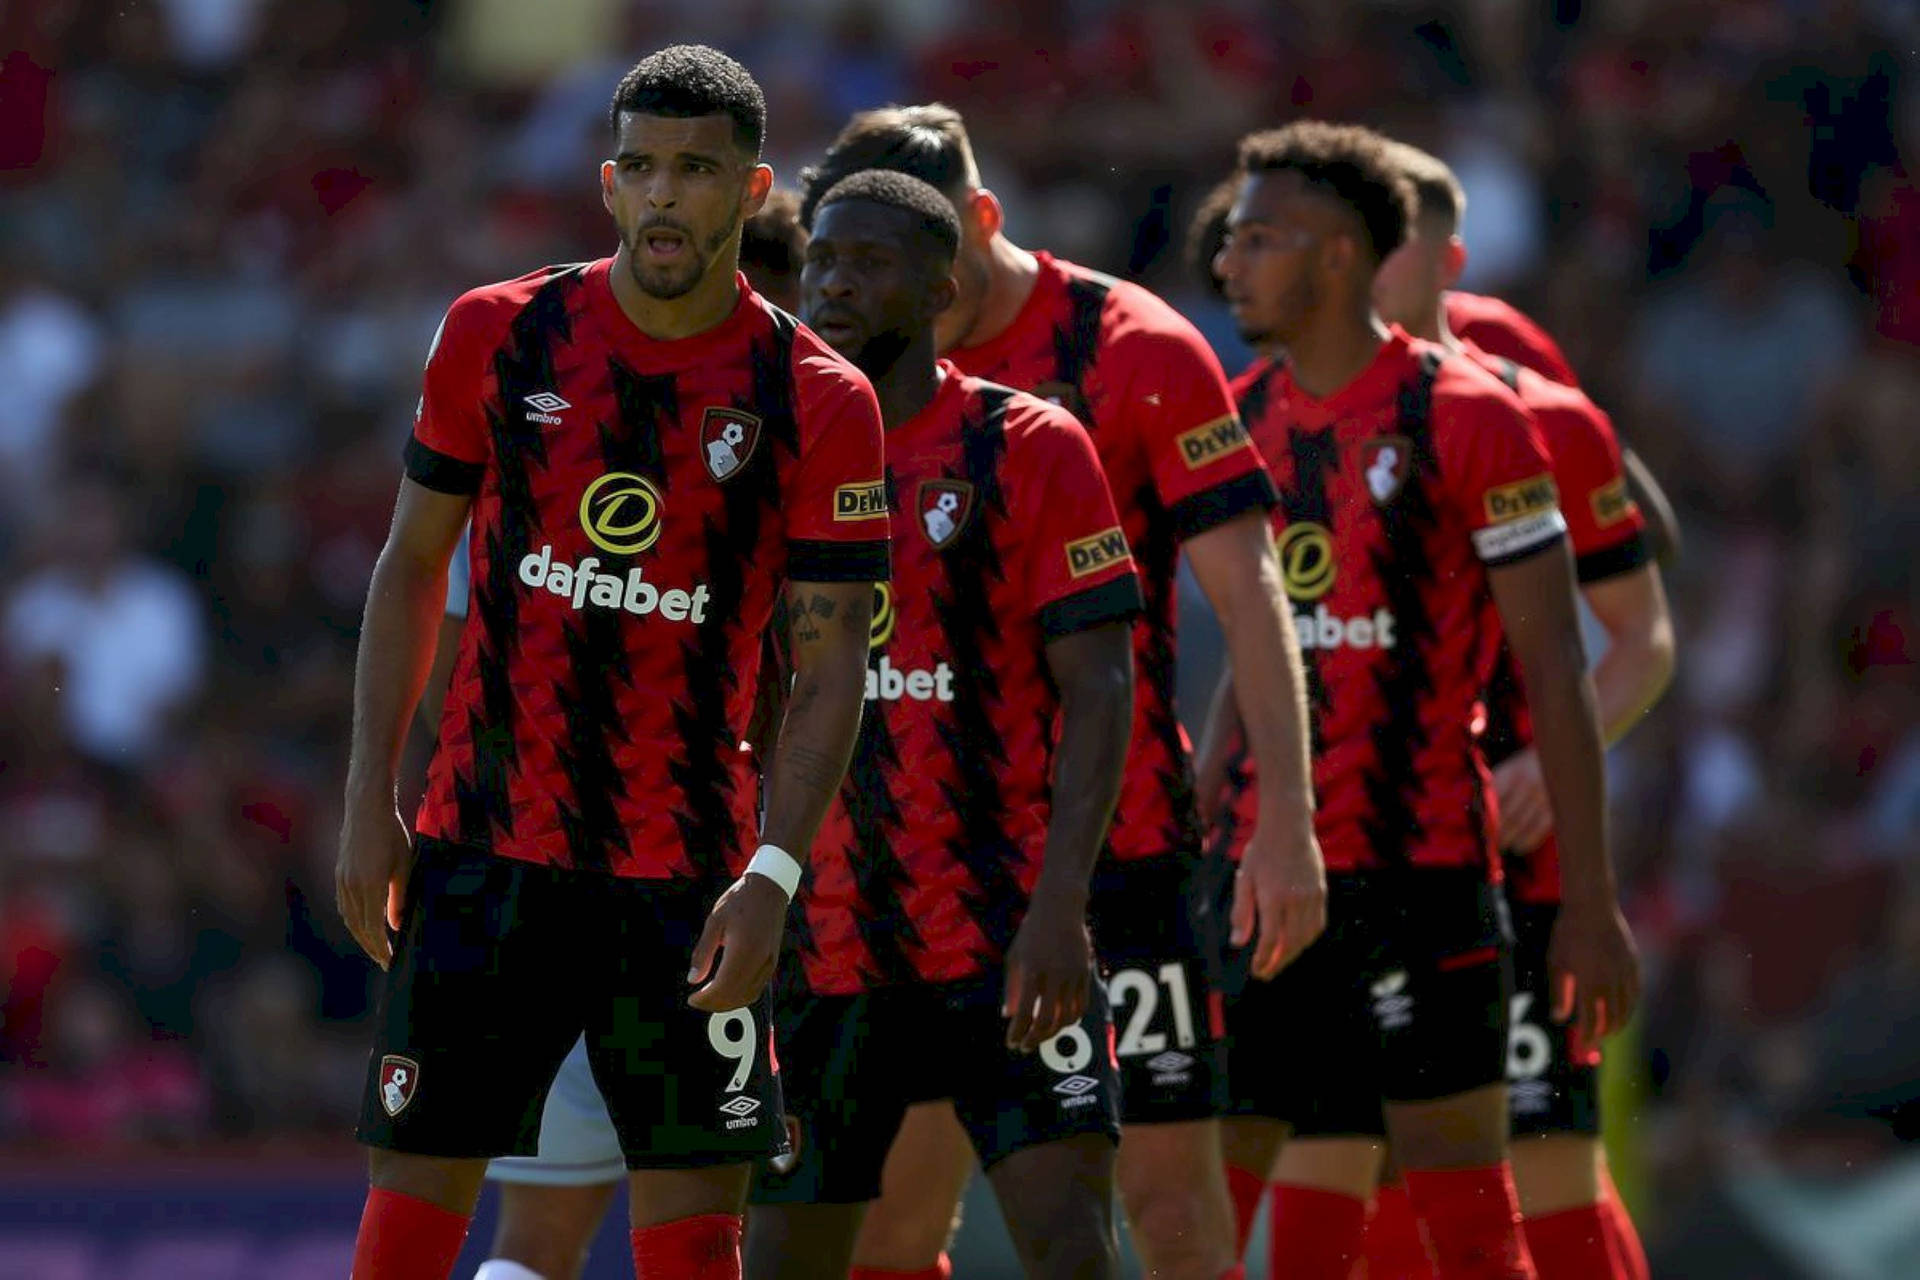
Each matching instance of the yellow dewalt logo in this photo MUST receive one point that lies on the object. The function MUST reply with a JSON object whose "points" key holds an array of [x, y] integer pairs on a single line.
{"points": [[860, 501], [1092, 554], [1612, 503], [1212, 440], [1521, 498]]}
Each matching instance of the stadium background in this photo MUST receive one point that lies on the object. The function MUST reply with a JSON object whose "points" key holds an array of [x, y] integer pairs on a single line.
{"points": [[228, 228]]}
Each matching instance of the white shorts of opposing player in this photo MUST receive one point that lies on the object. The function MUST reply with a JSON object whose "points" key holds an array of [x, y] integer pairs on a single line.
{"points": [[578, 1145]]}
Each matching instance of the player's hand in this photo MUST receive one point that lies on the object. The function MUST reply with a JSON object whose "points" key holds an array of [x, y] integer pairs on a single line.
{"points": [[1526, 815], [370, 875], [1049, 968], [1279, 894], [743, 930], [1594, 969]]}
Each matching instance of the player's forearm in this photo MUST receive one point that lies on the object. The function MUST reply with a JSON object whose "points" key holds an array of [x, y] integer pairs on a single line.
{"points": [[397, 639], [1269, 691], [1567, 738], [1632, 675], [1096, 727], [1219, 733], [810, 757], [1663, 526]]}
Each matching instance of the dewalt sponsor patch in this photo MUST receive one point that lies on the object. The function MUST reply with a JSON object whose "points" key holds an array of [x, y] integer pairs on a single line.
{"points": [[1094, 553]]}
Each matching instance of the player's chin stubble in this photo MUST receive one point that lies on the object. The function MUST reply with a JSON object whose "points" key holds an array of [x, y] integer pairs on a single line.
{"points": [[668, 285]]}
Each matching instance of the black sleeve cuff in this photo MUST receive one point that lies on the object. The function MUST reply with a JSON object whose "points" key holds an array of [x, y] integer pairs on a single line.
{"points": [[435, 470], [1211, 508], [1611, 562], [1526, 553], [811, 561], [1116, 601]]}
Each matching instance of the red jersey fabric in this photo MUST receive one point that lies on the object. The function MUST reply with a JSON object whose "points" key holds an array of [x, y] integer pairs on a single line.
{"points": [[1149, 389], [1502, 329], [1397, 492], [636, 505], [1004, 537], [1608, 537]]}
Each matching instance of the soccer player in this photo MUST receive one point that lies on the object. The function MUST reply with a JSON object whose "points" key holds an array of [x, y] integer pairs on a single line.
{"points": [[772, 244], [1184, 478], [647, 451], [1419, 519], [944, 939], [1573, 1227]]}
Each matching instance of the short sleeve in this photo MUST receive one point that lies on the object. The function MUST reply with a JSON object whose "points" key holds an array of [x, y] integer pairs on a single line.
{"points": [[1497, 471], [835, 498], [447, 451], [1080, 573], [1176, 403], [1603, 522]]}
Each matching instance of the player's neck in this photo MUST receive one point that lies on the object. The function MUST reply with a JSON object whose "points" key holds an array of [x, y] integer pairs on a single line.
{"points": [[1333, 352], [701, 308], [909, 384], [1432, 325], [1010, 281]]}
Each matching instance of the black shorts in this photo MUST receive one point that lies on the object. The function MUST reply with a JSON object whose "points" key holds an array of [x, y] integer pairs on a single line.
{"points": [[1552, 1086], [499, 968], [1404, 998], [854, 1064], [1152, 930]]}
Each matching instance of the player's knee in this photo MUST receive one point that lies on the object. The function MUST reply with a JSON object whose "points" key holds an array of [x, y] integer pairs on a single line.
{"points": [[1070, 1234], [550, 1229], [1465, 1131], [1173, 1224], [1555, 1172], [907, 1233], [453, 1185]]}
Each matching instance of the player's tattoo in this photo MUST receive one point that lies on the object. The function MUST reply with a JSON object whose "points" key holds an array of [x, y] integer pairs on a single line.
{"points": [[858, 618], [803, 628], [821, 607], [816, 770]]}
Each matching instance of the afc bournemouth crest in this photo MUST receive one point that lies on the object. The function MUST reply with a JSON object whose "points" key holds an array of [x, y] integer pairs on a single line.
{"points": [[944, 508], [399, 1078], [1386, 462], [727, 440]]}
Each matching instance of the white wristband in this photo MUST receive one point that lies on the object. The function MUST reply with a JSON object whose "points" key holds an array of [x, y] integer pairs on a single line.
{"points": [[777, 865]]}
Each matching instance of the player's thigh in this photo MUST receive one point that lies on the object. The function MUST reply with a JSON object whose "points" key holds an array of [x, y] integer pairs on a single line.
{"points": [[801, 1241], [1057, 1199], [476, 1013], [848, 1063], [1173, 1183], [686, 1089], [549, 1229], [1162, 971], [926, 1175], [1349, 1166], [1555, 1171], [1465, 1131]]}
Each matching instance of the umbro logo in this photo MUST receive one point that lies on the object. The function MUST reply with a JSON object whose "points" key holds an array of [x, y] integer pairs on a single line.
{"points": [[1074, 1086], [740, 1106], [545, 407], [1169, 1063]]}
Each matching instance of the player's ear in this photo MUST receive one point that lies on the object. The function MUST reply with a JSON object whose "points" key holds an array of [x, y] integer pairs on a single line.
{"points": [[1453, 262], [759, 186], [983, 216], [941, 294], [606, 184]]}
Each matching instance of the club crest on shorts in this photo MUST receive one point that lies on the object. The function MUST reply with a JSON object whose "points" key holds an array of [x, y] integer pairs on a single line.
{"points": [[727, 440], [944, 508], [1386, 461], [399, 1078]]}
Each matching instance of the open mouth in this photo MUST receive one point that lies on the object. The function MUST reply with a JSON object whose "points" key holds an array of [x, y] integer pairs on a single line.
{"points": [[662, 243], [834, 328]]}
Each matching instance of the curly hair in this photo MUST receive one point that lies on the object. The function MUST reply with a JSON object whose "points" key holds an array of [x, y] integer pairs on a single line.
{"points": [[1353, 164], [900, 191], [687, 80]]}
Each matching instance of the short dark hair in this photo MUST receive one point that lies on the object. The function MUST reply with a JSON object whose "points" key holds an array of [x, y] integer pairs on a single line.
{"points": [[905, 192], [928, 142], [773, 239], [688, 80], [1207, 234], [1437, 191], [1353, 164]]}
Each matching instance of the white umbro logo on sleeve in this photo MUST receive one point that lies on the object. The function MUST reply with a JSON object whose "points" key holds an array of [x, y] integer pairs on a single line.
{"points": [[544, 406]]}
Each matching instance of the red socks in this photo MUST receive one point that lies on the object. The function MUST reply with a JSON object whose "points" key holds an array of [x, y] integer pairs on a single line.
{"points": [[1317, 1235], [1572, 1245], [1395, 1249], [1472, 1221], [702, 1248], [941, 1270], [1246, 1188], [406, 1238], [1628, 1253]]}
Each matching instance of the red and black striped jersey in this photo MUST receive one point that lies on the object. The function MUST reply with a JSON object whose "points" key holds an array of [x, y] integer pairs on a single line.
{"points": [[1501, 329], [636, 505], [1607, 533], [1397, 493], [1151, 392], [1004, 538]]}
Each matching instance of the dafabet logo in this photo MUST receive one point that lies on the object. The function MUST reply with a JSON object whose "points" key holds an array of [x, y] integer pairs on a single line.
{"points": [[622, 514]]}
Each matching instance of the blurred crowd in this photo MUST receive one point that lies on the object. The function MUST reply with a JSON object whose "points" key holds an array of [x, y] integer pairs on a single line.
{"points": [[229, 227]]}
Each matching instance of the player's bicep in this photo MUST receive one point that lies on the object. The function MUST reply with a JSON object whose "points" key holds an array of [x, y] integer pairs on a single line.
{"points": [[1094, 668], [1630, 606], [1535, 596], [828, 624], [1234, 563], [426, 526]]}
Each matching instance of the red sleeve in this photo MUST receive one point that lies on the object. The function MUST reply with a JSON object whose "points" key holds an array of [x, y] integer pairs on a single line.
{"points": [[835, 499], [449, 446], [1079, 570], [1603, 523], [1496, 466], [1508, 332], [1173, 398]]}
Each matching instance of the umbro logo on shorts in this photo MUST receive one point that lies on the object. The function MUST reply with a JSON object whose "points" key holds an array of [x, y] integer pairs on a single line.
{"points": [[1170, 1063], [1077, 1090], [741, 1108]]}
